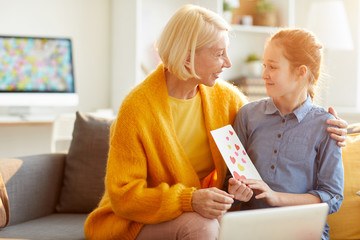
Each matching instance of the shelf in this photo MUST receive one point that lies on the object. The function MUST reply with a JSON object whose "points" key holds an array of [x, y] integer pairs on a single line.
{"points": [[254, 29]]}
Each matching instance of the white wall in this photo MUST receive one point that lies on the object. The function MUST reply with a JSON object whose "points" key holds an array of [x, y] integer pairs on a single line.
{"points": [[342, 78], [136, 24], [86, 22]]}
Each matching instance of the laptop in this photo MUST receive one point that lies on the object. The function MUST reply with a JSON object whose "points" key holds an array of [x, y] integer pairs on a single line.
{"points": [[304, 222]]}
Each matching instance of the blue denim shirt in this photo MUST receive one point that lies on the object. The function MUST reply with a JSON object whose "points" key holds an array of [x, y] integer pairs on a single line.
{"points": [[293, 153]]}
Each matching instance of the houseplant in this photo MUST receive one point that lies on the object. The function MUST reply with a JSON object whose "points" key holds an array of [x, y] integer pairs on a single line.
{"points": [[228, 9], [265, 13], [253, 65]]}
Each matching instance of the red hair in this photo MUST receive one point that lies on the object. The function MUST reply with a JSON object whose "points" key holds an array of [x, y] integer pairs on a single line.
{"points": [[301, 47]]}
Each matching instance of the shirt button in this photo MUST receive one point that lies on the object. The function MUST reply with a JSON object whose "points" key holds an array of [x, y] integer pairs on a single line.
{"points": [[279, 135], [283, 120], [275, 151], [272, 167], [337, 197]]}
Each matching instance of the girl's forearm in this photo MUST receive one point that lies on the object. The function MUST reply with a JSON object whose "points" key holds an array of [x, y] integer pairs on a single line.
{"points": [[290, 199]]}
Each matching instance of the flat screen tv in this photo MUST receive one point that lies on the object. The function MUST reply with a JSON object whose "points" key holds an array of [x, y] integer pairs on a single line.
{"points": [[36, 71]]}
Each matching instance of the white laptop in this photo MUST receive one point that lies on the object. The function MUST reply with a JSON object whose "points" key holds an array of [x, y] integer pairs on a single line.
{"points": [[304, 222]]}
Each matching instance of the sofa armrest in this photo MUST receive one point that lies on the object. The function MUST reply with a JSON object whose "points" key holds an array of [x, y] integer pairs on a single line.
{"points": [[33, 184]]}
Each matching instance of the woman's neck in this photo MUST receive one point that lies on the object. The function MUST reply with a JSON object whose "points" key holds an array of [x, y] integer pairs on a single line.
{"points": [[287, 104], [181, 89]]}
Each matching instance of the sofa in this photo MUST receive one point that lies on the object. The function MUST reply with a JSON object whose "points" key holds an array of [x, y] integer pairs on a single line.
{"points": [[49, 196]]}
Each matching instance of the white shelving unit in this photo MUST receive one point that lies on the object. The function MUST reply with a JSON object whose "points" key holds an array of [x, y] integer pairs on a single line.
{"points": [[250, 39], [135, 26]]}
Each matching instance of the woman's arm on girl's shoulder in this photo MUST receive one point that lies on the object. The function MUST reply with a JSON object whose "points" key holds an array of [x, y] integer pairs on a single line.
{"points": [[339, 134]]}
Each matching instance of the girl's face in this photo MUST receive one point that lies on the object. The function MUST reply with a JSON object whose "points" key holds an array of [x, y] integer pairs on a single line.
{"points": [[210, 61], [280, 81]]}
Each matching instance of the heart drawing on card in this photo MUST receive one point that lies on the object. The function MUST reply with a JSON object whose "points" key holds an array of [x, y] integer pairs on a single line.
{"points": [[241, 168], [237, 147], [231, 133], [238, 176], [233, 160]]}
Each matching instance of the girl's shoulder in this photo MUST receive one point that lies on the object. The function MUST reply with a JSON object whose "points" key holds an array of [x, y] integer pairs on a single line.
{"points": [[320, 113], [259, 104]]}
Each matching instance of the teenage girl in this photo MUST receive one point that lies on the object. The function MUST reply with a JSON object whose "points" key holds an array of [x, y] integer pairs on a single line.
{"points": [[285, 135]]}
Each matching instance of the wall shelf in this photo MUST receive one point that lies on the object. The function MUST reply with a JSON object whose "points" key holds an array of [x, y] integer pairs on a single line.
{"points": [[254, 29]]}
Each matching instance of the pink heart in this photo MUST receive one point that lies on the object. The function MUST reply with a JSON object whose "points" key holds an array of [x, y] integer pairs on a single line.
{"points": [[233, 160], [236, 153], [227, 138], [244, 152], [243, 160], [238, 176]]}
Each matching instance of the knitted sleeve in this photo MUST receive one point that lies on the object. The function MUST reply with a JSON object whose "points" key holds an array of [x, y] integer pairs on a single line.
{"points": [[139, 186]]}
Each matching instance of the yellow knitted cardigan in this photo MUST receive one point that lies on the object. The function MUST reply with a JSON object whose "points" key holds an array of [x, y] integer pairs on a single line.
{"points": [[149, 179]]}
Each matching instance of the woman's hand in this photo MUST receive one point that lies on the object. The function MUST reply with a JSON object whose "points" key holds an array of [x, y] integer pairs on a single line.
{"points": [[339, 134], [263, 191], [240, 191], [211, 202]]}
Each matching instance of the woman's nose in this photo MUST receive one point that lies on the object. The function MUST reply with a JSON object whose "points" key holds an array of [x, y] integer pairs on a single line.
{"points": [[227, 62]]}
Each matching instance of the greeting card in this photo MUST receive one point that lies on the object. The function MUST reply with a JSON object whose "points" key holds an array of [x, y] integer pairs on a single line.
{"points": [[234, 154]]}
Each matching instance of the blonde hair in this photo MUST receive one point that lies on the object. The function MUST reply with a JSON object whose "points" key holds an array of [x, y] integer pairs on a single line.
{"points": [[189, 29], [301, 47]]}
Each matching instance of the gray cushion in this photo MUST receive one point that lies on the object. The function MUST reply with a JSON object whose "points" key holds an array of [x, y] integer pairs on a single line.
{"points": [[353, 128], [33, 185], [58, 226], [85, 165]]}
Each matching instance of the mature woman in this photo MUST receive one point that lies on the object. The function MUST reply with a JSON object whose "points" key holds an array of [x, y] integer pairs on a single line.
{"points": [[164, 171]]}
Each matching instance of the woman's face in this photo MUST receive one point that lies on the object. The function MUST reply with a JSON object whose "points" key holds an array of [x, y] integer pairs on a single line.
{"points": [[210, 61]]}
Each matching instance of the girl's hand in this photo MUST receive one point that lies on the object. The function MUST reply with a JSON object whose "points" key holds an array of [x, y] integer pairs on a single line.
{"points": [[211, 202], [339, 134], [240, 191], [263, 191]]}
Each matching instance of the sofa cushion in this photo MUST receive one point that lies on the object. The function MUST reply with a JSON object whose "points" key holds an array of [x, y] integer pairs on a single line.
{"points": [[85, 165], [354, 128], [4, 205], [58, 226], [345, 224]]}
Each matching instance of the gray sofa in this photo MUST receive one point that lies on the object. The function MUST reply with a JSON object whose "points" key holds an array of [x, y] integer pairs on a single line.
{"points": [[50, 195]]}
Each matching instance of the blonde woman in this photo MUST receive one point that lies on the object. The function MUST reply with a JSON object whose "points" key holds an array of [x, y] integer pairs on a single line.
{"points": [[164, 172]]}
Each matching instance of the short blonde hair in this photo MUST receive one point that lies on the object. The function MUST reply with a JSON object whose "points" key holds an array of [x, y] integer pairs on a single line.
{"points": [[189, 29]]}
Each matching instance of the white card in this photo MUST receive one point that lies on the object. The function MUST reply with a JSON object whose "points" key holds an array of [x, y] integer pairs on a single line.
{"points": [[234, 154]]}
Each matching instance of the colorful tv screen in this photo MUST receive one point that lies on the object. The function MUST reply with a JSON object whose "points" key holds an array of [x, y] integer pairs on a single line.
{"points": [[34, 64]]}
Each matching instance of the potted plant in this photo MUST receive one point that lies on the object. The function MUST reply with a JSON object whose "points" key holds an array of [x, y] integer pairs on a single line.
{"points": [[228, 9], [265, 13], [253, 65]]}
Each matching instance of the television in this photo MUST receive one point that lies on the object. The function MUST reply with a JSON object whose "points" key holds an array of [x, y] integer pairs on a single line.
{"points": [[36, 71]]}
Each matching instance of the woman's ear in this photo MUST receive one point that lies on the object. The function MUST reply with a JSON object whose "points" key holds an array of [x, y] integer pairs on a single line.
{"points": [[187, 62]]}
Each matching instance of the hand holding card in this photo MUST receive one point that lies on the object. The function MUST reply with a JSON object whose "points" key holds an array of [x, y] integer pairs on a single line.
{"points": [[234, 154]]}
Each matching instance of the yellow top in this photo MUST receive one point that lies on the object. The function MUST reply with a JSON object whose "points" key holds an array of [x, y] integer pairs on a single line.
{"points": [[190, 129], [149, 178]]}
